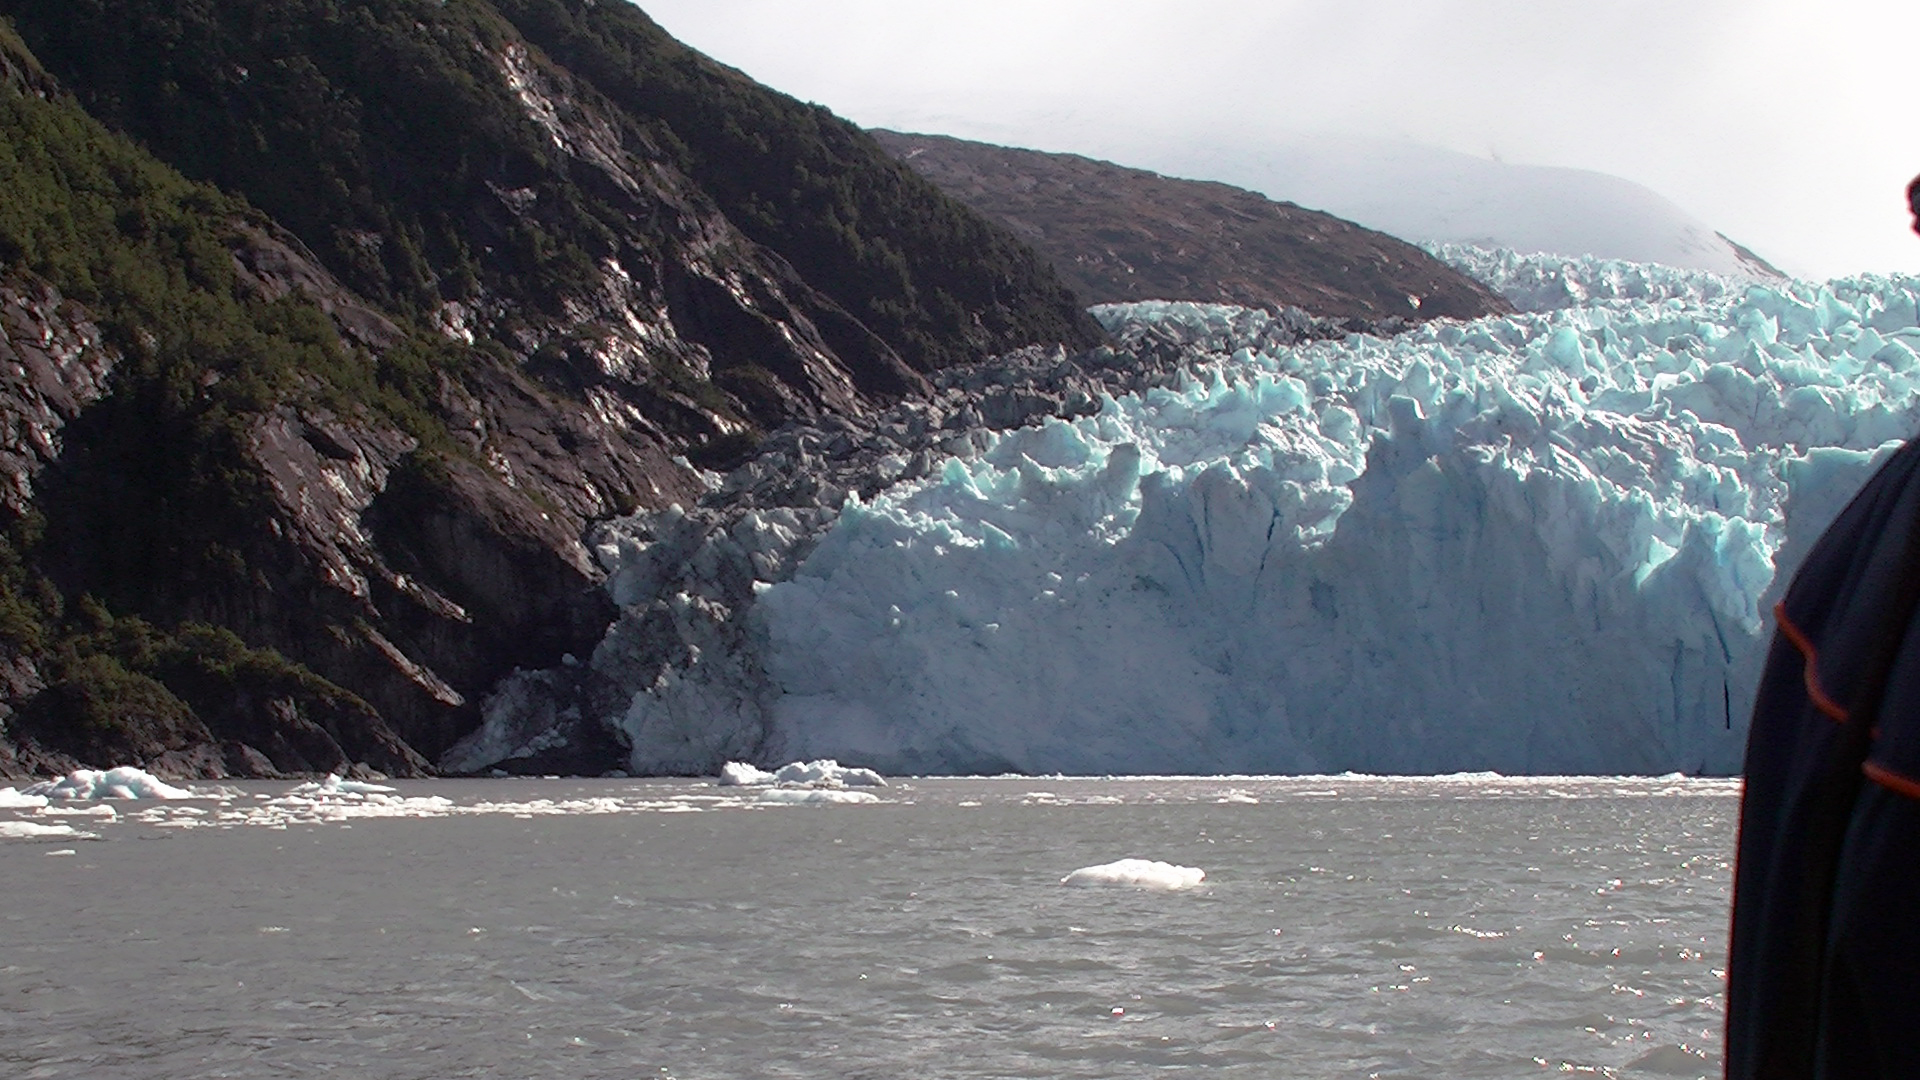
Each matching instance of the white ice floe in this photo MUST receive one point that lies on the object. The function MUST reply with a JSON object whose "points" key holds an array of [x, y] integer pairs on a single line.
{"points": [[823, 773], [99, 810], [337, 799], [1138, 874], [815, 795], [829, 773], [740, 774], [125, 782], [339, 785], [15, 799], [33, 830], [320, 807]]}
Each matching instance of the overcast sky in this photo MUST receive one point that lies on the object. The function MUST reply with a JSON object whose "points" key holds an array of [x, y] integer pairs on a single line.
{"points": [[1790, 125]]}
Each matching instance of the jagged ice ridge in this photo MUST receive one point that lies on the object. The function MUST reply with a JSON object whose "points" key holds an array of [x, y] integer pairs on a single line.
{"points": [[1538, 543]]}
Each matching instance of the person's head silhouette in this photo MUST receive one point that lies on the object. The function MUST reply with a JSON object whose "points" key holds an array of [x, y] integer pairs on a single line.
{"points": [[1913, 201]]}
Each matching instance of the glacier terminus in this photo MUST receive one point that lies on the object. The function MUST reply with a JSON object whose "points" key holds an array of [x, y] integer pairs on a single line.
{"points": [[1538, 543]]}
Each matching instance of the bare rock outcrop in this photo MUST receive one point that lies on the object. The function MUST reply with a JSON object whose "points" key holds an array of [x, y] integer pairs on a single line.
{"points": [[54, 362]]}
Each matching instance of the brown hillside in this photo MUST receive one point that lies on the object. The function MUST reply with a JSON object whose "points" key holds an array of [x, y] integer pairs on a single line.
{"points": [[1117, 234]]}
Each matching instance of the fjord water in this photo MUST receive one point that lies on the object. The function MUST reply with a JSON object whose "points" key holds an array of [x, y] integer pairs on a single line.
{"points": [[1348, 926]]}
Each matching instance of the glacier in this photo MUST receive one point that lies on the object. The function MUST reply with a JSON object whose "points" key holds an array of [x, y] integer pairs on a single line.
{"points": [[1539, 543]]}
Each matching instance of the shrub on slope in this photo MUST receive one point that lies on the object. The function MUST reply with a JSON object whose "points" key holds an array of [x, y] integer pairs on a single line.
{"points": [[155, 493]]}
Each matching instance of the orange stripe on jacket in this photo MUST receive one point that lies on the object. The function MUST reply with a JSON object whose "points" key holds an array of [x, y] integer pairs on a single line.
{"points": [[1811, 670], [1892, 781]]}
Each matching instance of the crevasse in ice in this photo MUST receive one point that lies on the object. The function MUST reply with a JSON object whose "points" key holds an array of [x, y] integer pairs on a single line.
{"points": [[1536, 543]]}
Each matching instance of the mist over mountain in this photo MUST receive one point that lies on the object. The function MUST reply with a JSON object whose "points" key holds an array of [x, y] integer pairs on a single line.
{"points": [[1426, 194], [1117, 234]]}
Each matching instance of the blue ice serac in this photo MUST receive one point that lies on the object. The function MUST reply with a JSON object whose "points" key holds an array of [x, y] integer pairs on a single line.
{"points": [[1538, 543]]}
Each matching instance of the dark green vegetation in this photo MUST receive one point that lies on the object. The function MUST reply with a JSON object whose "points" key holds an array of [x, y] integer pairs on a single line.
{"points": [[939, 284], [382, 133], [149, 502], [328, 328]]}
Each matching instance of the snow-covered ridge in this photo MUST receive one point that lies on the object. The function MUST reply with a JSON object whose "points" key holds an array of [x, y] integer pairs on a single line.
{"points": [[1541, 543]]}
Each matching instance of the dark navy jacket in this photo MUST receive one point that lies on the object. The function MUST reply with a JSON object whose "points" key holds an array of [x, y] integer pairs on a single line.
{"points": [[1824, 972]]}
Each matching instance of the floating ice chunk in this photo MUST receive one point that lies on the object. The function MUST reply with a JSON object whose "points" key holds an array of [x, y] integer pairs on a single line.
{"points": [[829, 773], [816, 795], [1138, 874], [338, 785], [15, 799], [825, 773], [740, 774], [33, 830], [97, 810], [125, 782]]}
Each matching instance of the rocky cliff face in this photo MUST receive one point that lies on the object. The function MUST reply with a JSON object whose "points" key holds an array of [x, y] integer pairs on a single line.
{"points": [[1118, 234], [54, 362], [294, 493]]}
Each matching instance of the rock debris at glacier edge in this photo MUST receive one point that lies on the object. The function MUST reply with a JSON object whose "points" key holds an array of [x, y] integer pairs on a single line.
{"points": [[1538, 543]]}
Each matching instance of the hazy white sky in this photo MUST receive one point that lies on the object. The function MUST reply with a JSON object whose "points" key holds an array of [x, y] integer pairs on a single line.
{"points": [[1791, 125]]}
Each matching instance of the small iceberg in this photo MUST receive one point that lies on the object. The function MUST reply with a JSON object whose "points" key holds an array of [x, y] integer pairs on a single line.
{"points": [[825, 773], [338, 785], [741, 774], [15, 799], [1138, 874], [125, 782], [33, 830]]}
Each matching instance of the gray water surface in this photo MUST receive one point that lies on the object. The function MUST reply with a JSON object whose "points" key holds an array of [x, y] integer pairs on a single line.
{"points": [[1348, 927]]}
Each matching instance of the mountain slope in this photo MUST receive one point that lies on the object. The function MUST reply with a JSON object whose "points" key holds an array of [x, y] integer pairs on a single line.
{"points": [[295, 498], [941, 285], [1118, 234], [134, 353], [441, 160]]}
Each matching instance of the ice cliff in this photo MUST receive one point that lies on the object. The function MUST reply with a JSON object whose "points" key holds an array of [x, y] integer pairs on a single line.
{"points": [[1536, 543]]}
